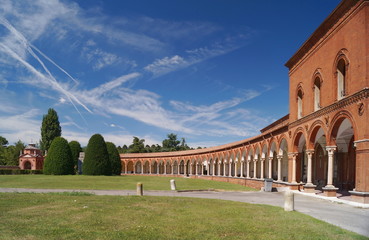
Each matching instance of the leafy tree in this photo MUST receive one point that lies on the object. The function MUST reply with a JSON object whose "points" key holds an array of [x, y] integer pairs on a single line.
{"points": [[173, 144], [116, 164], [75, 147], [137, 146], [59, 159], [96, 160], [10, 155], [50, 128], [3, 141], [183, 145]]}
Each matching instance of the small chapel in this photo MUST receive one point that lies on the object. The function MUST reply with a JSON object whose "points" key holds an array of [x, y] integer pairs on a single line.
{"points": [[31, 158]]}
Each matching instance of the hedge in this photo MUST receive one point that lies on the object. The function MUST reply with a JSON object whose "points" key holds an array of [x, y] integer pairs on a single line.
{"points": [[6, 171]]}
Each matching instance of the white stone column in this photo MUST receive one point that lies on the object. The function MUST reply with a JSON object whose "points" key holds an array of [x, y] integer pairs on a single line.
{"points": [[158, 169], [185, 169], [280, 167], [208, 168], [219, 165], [330, 150], [202, 168], [242, 160], [172, 168], [235, 168], [255, 168], [294, 155], [196, 169], [213, 172], [270, 167], [230, 168], [150, 168], [134, 168], [309, 168], [224, 163], [178, 167], [262, 168], [191, 164], [165, 169], [248, 168]]}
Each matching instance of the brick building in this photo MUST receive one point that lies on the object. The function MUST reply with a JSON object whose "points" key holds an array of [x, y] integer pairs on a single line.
{"points": [[322, 144], [31, 158]]}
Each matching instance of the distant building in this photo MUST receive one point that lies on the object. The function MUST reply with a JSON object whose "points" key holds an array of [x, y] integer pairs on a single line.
{"points": [[80, 162], [322, 145], [31, 158]]}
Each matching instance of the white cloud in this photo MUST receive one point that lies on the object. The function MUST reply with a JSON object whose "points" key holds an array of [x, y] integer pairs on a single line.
{"points": [[22, 126], [165, 65], [101, 59], [194, 56]]}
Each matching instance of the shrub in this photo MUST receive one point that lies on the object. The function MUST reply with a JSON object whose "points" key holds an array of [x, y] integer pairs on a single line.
{"points": [[96, 160], [75, 147], [5, 171], [116, 165], [59, 159]]}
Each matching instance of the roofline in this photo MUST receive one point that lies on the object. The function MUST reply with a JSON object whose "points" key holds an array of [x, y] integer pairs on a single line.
{"points": [[343, 7], [210, 150]]}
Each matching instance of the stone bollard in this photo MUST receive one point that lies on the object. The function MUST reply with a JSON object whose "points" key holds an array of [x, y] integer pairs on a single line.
{"points": [[289, 204], [139, 189], [173, 185]]}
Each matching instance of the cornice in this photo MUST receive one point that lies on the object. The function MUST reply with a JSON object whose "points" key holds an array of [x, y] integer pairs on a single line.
{"points": [[341, 12], [354, 98]]}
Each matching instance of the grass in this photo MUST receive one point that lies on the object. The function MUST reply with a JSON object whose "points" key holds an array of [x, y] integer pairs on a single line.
{"points": [[112, 182], [62, 216]]}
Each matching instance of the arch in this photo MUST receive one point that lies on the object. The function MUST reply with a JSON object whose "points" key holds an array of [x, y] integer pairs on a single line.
{"points": [[138, 167], [299, 96], [27, 165], [146, 167], [168, 169], [155, 168], [341, 72], [283, 155], [345, 155], [317, 84], [175, 167], [314, 131], [130, 167], [335, 123]]}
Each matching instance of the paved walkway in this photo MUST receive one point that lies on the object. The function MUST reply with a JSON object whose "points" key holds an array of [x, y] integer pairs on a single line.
{"points": [[345, 216]]}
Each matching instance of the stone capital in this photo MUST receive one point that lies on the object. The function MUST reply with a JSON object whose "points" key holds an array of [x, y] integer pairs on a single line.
{"points": [[293, 154], [310, 151], [331, 149]]}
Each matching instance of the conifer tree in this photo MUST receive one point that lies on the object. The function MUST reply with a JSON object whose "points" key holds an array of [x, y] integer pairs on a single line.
{"points": [[96, 160], [75, 147], [116, 165], [59, 159], [50, 128]]}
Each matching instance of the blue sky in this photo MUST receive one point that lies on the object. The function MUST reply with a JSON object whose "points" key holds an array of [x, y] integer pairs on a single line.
{"points": [[211, 71]]}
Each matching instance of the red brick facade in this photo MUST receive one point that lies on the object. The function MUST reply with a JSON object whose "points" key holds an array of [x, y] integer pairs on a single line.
{"points": [[31, 158], [323, 144]]}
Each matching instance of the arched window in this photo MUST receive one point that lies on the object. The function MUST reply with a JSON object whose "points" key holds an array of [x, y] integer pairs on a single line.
{"points": [[299, 104], [317, 84], [341, 78]]}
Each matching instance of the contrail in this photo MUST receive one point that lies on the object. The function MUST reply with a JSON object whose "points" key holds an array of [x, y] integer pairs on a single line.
{"points": [[52, 79]]}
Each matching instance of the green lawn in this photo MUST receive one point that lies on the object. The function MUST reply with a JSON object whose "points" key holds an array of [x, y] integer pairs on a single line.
{"points": [[112, 182], [82, 216]]}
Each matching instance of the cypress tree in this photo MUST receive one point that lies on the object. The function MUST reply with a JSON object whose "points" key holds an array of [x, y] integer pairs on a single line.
{"points": [[59, 159], [50, 128], [116, 165], [96, 160], [75, 147]]}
